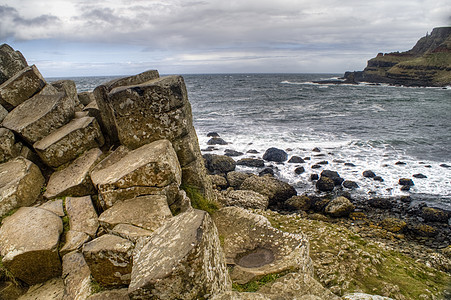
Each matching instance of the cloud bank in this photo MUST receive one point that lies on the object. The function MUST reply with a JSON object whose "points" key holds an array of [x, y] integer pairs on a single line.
{"points": [[215, 36]]}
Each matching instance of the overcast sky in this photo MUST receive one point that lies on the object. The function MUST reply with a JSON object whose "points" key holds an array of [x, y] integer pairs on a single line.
{"points": [[120, 37]]}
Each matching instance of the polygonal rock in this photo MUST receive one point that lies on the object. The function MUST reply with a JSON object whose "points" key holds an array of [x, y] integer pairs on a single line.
{"points": [[38, 116], [8, 149], [28, 242], [130, 232], [69, 87], [255, 248], [246, 199], [82, 215], [76, 276], [3, 113], [55, 206], [150, 169], [148, 212], [276, 190], [20, 184], [22, 86], [74, 240], [181, 260], [68, 142], [109, 258], [11, 62], [52, 289], [74, 180]]}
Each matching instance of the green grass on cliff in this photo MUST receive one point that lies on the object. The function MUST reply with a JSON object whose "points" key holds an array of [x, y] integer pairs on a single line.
{"points": [[198, 201]]}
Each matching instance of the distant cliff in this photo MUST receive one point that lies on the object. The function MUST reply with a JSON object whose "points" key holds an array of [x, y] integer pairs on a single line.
{"points": [[428, 63]]}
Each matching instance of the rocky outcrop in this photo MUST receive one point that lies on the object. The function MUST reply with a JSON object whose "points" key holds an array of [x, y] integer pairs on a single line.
{"points": [[426, 64], [11, 62], [277, 191]]}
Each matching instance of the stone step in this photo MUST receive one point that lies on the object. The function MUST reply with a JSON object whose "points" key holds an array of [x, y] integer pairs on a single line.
{"points": [[74, 180], [68, 142], [21, 87], [40, 115]]}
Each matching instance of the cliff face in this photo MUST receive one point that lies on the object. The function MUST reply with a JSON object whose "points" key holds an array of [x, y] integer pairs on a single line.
{"points": [[428, 63]]}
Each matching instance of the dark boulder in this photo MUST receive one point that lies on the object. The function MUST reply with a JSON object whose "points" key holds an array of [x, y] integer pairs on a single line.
{"points": [[299, 170], [333, 175], [378, 178], [383, 203], [266, 171], [400, 163], [419, 175], [316, 166], [325, 184], [349, 184], [251, 162], [323, 162], [252, 151], [275, 154], [298, 203], [296, 160], [276, 190], [405, 188], [445, 166], [349, 164], [406, 182], [230, 152], [314, 176], [435, 215], [219, 164], [368, 174], [216, 141], [213, 134], [316, 149], [319, 204]]}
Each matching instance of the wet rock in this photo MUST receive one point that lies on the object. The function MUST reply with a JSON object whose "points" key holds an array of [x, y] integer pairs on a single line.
{"points": [[325, 184], [28, 242], [406, 182], [235, 179], [219, 164], [445, 166], [216, 141], [40, 115], [147, 212], [323, 162], [349, 184], [246, 199], [252, 151], [255, 248], [68, 142], [316, 149], [12, 62], [22, 86], [266, 171], [251, 162], [20, 184], [232, 153], [368, 174], [339, 207], [299, 170], [277, 191], [383, 203], [378, 178], [82, 215], [76, 276], [181, 260], [419, 175], [74, 180], [275, 154], [296, 160], [405, 188], [299, 203], [109, 258], [212, 134], [400, 163], [394, 225], [425, 230], [334, 176], [349, 164], [8, 148], [431, 214], [316, 166], [150, 169], [314, 176], [218, 181]]}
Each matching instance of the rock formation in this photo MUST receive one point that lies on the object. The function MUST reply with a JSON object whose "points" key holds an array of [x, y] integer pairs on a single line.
{"points": [[428, 63]]}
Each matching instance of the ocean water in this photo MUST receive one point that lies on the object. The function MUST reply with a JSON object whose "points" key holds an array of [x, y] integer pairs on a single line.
{"points": [[371, 126]]}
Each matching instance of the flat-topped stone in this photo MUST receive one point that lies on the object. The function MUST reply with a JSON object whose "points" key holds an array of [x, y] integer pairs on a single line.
{"points": [[68, 142], [20, 184], [38, 116], [148, 212], [109, 258], [130, 232], [22, 86], [74, 180], [82, 215], [181, 260], [28, 242], [143, 171], [55, 206], [11, 62]]}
